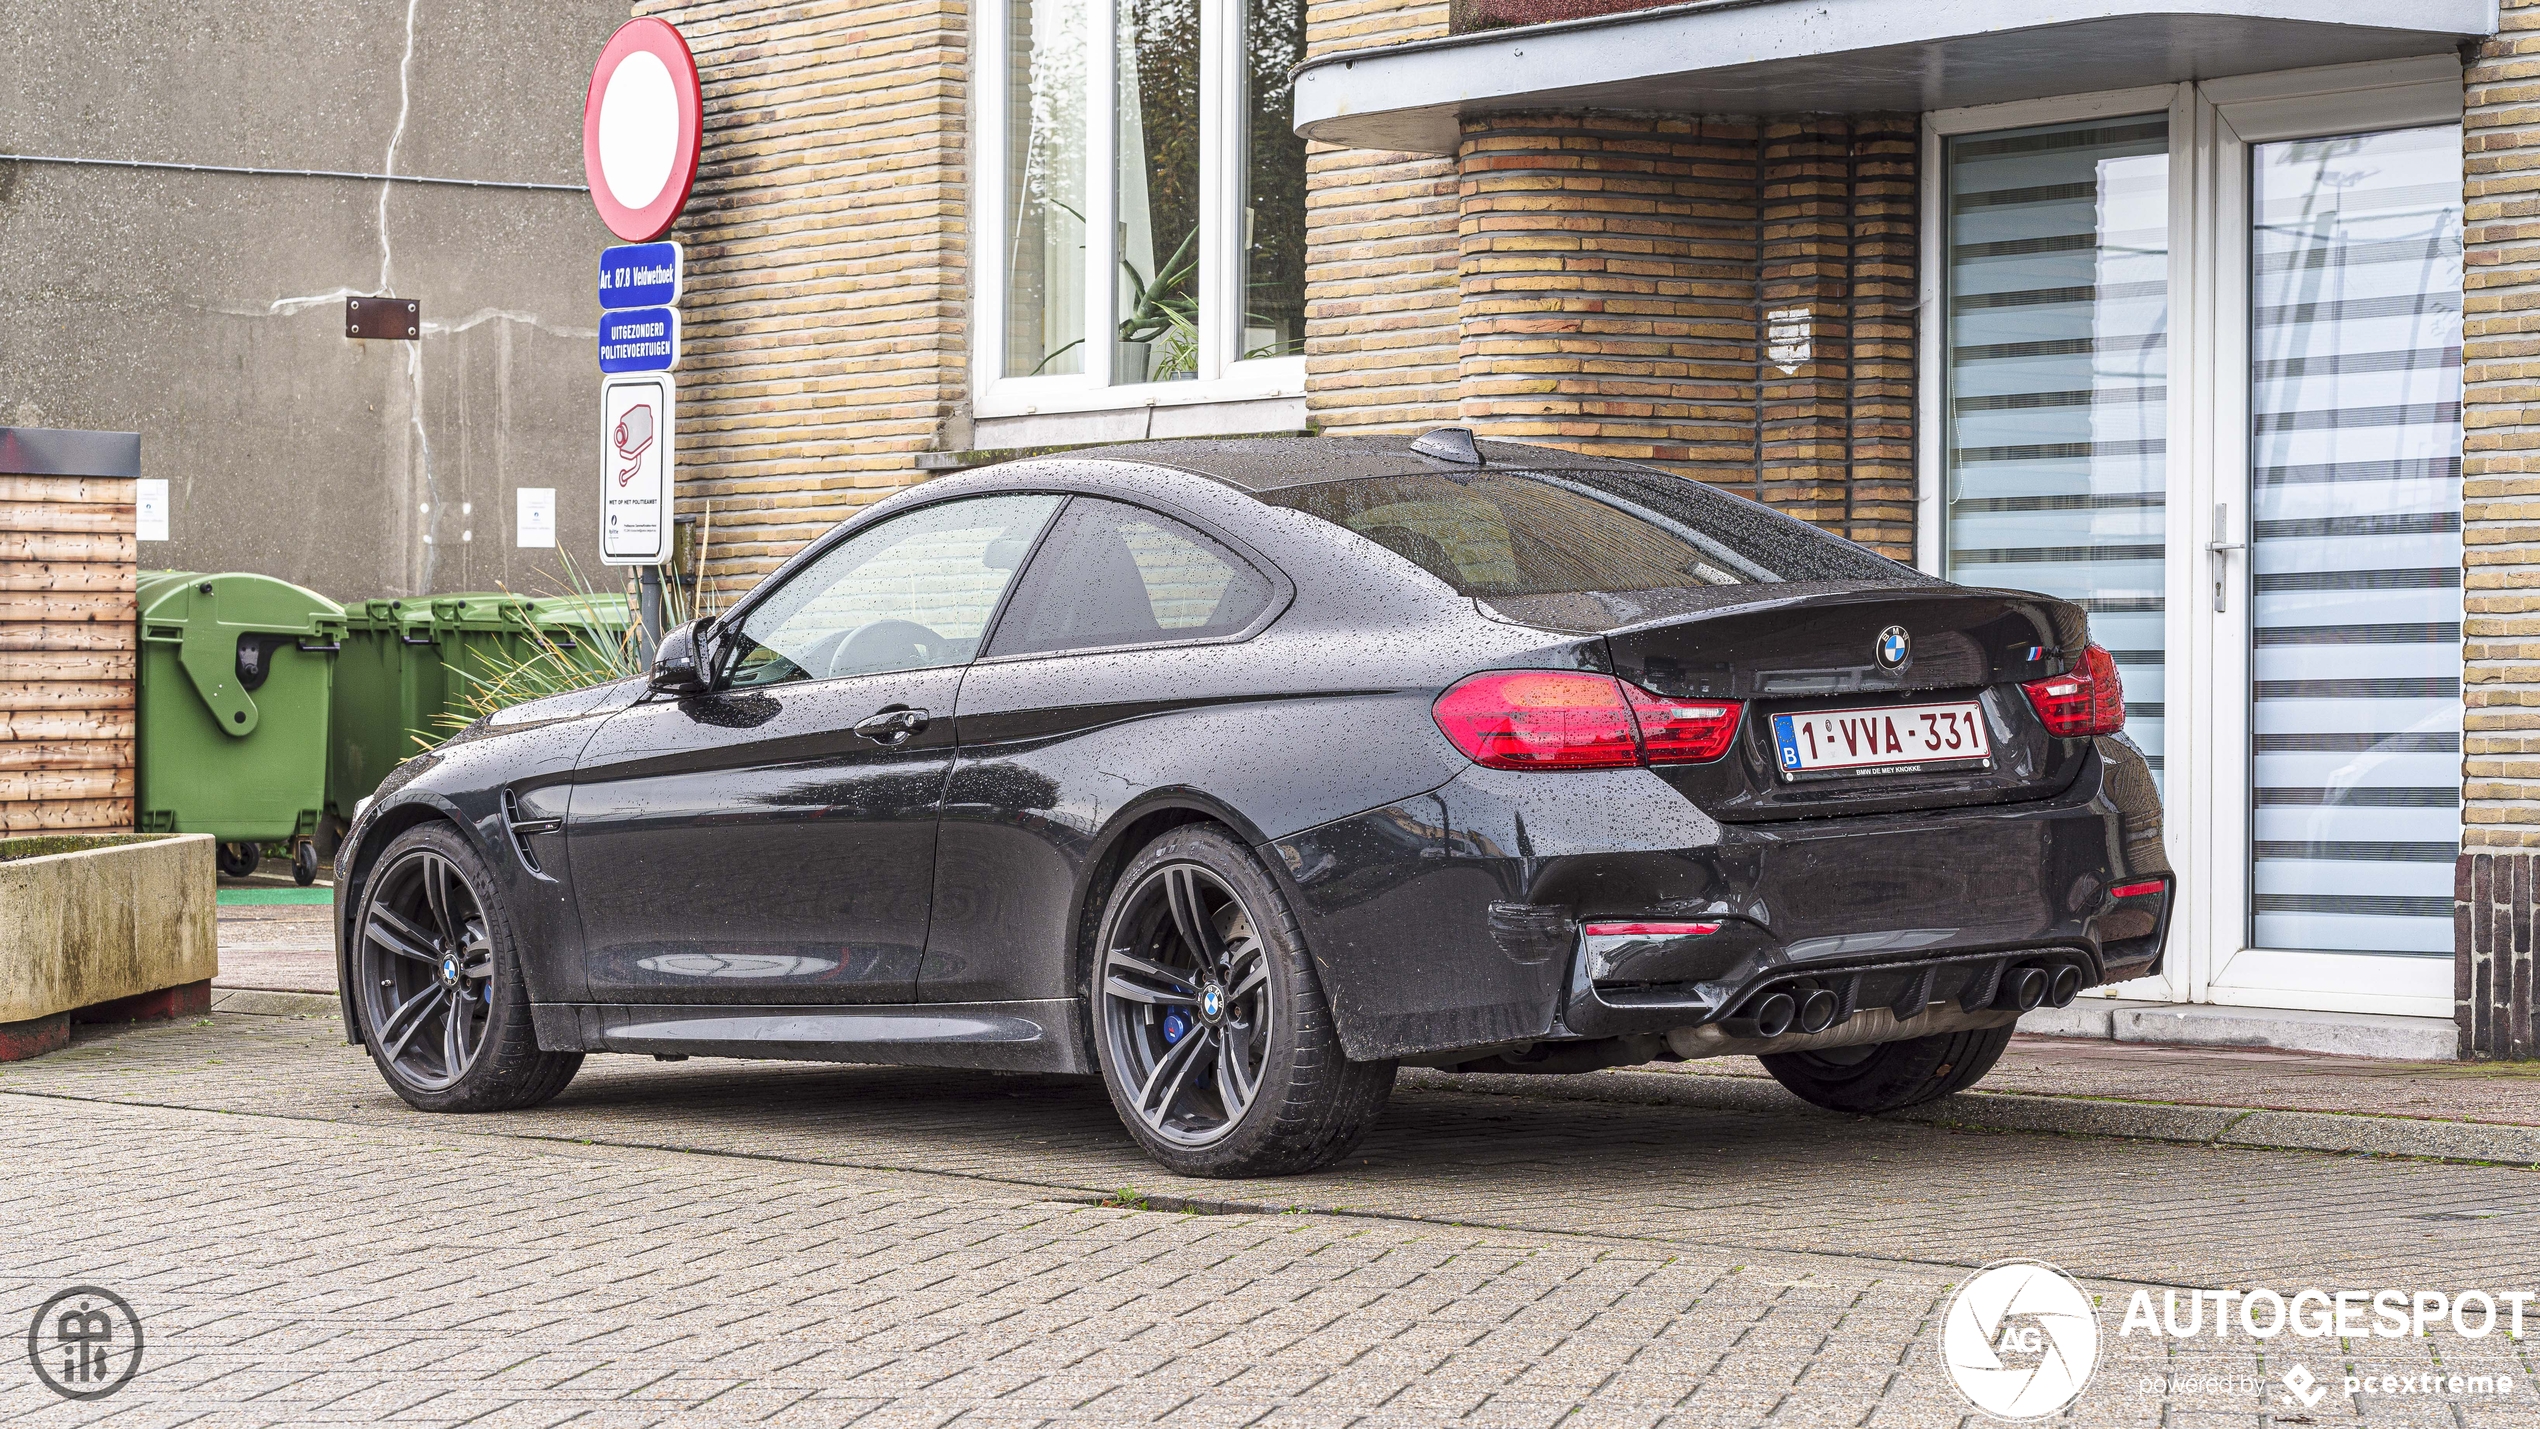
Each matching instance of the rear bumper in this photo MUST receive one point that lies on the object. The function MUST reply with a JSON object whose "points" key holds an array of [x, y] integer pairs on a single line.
{"points": [[1451, 921]]}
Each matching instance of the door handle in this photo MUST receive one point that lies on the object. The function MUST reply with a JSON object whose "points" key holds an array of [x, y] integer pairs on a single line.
{"points": [[892, 726], [2220, 549]]}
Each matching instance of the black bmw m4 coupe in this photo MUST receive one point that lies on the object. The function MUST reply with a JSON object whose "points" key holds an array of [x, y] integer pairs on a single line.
{"points": [[1241, 773]]}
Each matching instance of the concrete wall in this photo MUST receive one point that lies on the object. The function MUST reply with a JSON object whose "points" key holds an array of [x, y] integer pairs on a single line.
{"points": [[205, 310]]}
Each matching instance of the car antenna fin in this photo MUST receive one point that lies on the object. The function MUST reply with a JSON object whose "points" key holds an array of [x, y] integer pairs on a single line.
{"points": [[1453, 444]]}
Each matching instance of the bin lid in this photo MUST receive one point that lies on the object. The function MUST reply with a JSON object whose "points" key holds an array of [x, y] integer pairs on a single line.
{"points": [[209, 617], [598, 612], [241, 600], [481, 610]]}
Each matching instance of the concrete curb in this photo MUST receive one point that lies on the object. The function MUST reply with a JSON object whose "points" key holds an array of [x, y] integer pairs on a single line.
{"points": [[257, 1002], [2253, 1128]]}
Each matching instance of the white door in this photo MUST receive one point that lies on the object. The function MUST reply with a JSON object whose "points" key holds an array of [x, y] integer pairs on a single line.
{"points": [[2196, 366], [2336, 555]]}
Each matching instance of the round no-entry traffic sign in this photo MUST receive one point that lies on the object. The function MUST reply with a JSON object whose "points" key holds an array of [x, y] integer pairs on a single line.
{"points": [[641, 124]]}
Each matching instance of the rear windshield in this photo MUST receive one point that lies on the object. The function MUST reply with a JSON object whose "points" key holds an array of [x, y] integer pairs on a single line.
{"points": [[1501, 534]]}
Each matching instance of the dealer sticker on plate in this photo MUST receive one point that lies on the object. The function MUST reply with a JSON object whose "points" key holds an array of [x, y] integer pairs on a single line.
{"points": [[1894, 740]]}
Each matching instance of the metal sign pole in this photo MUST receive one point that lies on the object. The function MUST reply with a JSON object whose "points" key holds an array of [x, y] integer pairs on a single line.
{"points": [[648, 611]]}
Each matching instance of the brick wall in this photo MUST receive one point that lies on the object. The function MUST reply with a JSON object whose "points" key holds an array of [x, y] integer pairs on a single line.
{"points": [[823, 332], [1380, 289], [1727, 299], [2500, 469]]}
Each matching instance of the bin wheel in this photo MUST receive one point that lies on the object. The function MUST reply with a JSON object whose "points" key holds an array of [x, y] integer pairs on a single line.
{"points": [[304, 863], [239, 860]]}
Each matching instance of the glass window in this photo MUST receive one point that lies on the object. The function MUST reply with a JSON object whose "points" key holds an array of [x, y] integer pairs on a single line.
{"points": [[1199, 238], [913, 593], [2355, 540], [1045, 187], [1112, 574], [1159, 116], [1273, 218], [1502, 534], [2057, 426]]}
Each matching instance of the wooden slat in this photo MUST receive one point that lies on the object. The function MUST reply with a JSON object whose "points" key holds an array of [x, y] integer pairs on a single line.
{"points": [[114, 607], [21, 755], [56, 577], [53, 814], [68, 724], [87, 635], [88, 665], [89, 516], [28, 786], [76, 546], [114, 489], [63, 695]]}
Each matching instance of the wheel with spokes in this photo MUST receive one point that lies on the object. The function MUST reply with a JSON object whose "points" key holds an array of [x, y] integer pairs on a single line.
{"points": [[1215, 1040], [443, 1007]]}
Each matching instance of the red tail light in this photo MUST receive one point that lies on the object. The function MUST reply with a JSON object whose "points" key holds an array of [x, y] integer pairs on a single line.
{"points": [[1555, 719], [2145, 889], [1683, 731], [1649, 930], [2085, 700]]}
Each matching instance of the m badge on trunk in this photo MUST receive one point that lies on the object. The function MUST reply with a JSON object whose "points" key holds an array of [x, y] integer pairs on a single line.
{"points": [[1894, 649]]}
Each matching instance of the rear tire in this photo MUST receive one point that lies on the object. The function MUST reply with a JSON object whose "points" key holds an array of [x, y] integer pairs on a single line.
{"points": [[1215, 1040], [1890, 1076]]}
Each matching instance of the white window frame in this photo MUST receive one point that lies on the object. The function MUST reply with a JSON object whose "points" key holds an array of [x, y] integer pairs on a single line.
{"points": [[2212, 125], [1222, 376]]}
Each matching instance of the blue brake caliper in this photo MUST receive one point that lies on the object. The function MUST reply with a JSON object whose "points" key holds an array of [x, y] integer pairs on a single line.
{"points": [[1176, 1025]]}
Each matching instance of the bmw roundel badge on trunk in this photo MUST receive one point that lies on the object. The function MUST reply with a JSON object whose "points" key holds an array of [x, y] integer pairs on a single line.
{"points": [[1894, 649]]}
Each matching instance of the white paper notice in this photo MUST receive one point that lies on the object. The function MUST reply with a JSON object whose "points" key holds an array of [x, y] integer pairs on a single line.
{"points": [[535, 520], [150, 508]]}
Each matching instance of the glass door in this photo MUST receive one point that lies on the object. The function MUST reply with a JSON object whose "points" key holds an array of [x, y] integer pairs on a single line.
{"points": [[2351, 603]]}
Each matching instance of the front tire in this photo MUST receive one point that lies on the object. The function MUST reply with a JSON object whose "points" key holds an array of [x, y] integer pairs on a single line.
{"points": [[1890, 1076], [444, 1009], [1215, 1040]]}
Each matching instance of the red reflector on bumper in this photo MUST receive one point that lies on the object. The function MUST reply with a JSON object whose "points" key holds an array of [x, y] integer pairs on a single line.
{"points": [[1649, 930], [2144, 889]]}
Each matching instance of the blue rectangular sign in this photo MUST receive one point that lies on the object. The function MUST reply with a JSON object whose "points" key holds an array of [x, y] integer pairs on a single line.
{"points": [[639, 340], [640, 275]]}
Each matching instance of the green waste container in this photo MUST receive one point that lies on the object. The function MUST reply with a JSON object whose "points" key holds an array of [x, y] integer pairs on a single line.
{"points": [[236, 677], [390, 689], [410, 666]]}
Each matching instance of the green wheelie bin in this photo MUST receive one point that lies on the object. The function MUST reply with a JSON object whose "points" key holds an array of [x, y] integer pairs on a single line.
{"points": [[236, 675], [390, 690]]}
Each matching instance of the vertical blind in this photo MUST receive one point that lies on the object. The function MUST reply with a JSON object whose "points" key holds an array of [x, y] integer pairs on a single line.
{"points": [[2355, 541], [2058, 360]]}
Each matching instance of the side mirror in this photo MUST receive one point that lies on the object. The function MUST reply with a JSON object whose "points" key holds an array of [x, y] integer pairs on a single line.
{"points": [[677, 668]]}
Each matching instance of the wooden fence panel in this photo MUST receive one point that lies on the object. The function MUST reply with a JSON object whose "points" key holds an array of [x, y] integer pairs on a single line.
{"points": [[68, 646]]}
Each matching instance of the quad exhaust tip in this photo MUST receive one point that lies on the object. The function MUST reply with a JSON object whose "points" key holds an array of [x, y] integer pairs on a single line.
{"points": [[1768, 1016], [1817, 1010], [2023, 988], [2065, 987]]}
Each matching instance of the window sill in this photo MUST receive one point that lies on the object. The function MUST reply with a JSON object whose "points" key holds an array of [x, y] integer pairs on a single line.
{"points": [[995, 437]]}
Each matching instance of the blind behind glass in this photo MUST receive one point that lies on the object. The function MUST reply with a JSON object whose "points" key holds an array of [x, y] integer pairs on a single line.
{"points": [[2355, 541], [2058, 354]]}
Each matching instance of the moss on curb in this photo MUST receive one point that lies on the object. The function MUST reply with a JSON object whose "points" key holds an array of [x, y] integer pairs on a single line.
{"points": [[46, 845]]}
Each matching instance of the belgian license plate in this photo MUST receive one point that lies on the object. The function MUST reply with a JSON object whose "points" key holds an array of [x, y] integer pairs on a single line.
{"points": [[1895, 740]]}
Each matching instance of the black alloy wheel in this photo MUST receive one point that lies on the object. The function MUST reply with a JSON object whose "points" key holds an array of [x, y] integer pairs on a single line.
{"points": [[1890, 1076], [443, 1008], [1186, 1004], [1215, 1041]]}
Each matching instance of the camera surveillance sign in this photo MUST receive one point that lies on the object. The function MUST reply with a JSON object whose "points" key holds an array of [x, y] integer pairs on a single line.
{"points": [[636, 417]]}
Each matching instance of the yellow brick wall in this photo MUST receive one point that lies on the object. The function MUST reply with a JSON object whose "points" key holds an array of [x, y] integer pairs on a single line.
{"points": [[1380, 337], [2500, 464], [823, 330]]}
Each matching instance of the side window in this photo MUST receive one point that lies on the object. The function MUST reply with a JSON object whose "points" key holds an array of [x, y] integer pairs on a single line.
{"points": [[913, 593], [1113, 574]]}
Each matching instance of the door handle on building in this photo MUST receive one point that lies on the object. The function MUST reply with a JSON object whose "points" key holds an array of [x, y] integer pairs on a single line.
{"points": [[2220, 550]]}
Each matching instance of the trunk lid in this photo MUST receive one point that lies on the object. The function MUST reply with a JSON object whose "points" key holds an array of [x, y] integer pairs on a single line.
{"points": [[1800, 652]]}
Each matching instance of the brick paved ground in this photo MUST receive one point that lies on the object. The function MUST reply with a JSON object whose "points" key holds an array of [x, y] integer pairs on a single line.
{"points": [[719, 1242]]}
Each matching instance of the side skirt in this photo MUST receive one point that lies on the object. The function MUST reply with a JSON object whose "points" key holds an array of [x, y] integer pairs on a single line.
{"points": [[988, 1036]]}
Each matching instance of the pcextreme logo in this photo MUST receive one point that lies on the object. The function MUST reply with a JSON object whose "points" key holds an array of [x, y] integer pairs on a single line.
{"points": [[2020, 1339]]}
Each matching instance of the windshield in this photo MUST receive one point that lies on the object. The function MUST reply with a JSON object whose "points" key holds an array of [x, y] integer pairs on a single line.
{"points": [[1579, 531]]}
